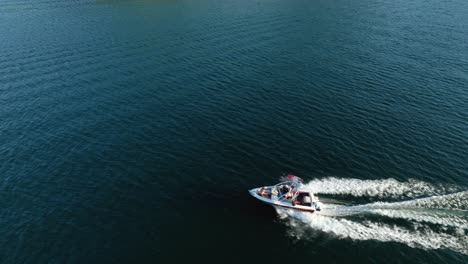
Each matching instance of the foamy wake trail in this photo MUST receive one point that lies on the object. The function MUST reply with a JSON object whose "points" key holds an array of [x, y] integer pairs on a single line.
{"points": [[385, 188], [446, 210], [437, 221], [418, 235]]}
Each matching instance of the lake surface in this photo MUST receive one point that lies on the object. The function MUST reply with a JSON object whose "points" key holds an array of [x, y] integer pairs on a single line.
{"points": [[130, 131]]}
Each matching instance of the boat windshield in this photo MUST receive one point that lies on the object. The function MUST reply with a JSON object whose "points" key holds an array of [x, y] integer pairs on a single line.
{"points": [[294, 184], [287, 189]]}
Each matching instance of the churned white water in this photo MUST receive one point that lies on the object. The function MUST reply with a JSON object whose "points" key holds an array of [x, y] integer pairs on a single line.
{"points": [[384, 188], [435, 221]]}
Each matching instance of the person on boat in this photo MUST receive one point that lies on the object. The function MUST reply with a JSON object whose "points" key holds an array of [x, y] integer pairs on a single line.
{"points": [[264, 192], [285, 189], [261, 191], [290, 194]]}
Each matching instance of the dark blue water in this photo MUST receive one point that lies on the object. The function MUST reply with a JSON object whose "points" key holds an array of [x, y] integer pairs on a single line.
{"points": [[130, 131]]}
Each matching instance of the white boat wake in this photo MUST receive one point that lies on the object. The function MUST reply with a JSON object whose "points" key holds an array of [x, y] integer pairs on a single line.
{"points": [[385, 188], [439, 220]]}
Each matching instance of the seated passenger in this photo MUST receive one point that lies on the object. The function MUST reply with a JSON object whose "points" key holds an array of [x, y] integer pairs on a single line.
{"points": [[283, 189], [264, 192], [261, 191]]}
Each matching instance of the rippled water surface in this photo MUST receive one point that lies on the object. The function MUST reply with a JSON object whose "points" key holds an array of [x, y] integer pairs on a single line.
{"points": [[130, 131]]}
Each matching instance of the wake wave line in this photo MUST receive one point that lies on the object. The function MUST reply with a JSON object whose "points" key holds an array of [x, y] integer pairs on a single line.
{"points": [[419, 236], [385, 188], [447, 210]]}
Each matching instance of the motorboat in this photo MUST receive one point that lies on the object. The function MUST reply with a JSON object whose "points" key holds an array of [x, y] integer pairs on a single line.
{"points": [[290, 194]]}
